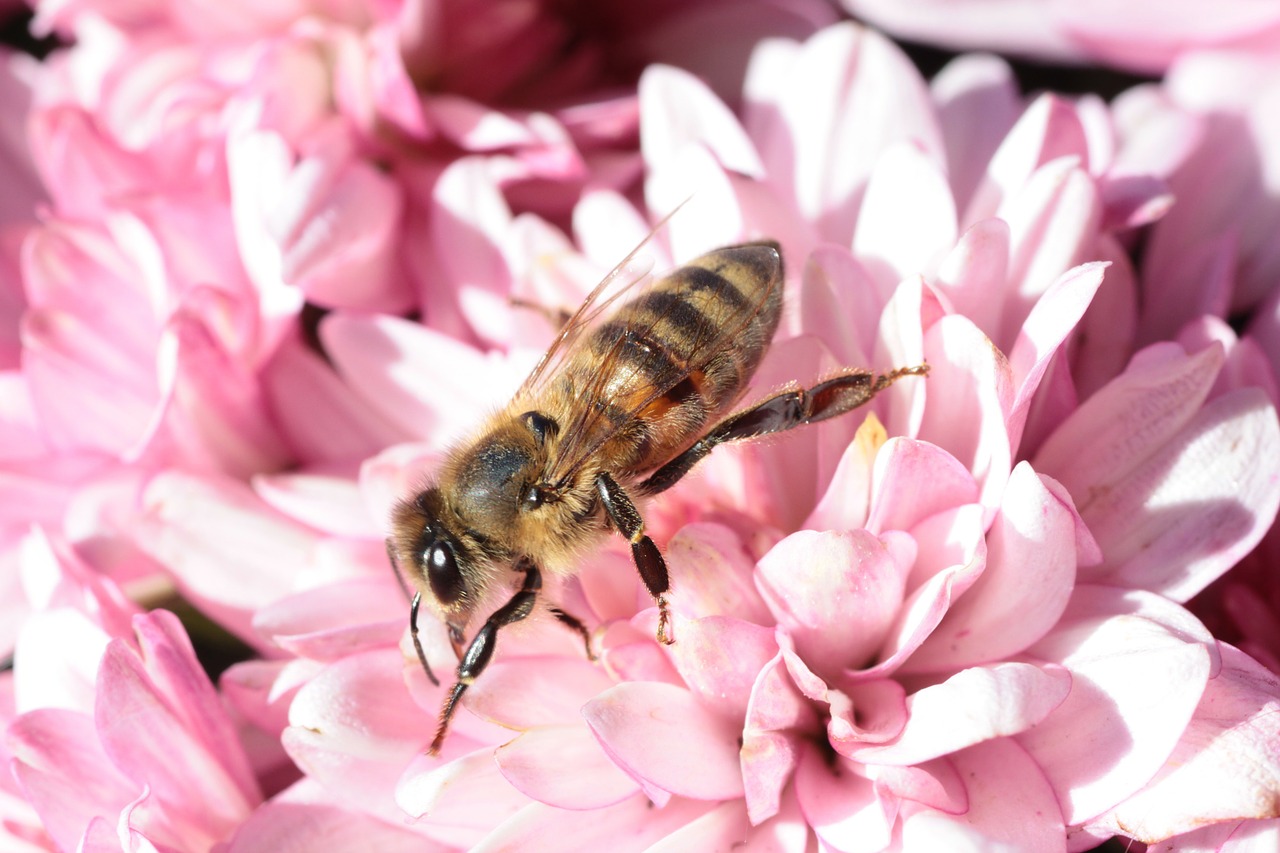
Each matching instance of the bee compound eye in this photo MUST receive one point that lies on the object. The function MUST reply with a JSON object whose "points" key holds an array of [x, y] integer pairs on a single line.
{"points": [[442, 572]]}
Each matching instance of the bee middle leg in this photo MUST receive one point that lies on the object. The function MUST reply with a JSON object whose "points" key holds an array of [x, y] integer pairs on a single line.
{"points": [[648, 559], [836, 396], [482, 646]]}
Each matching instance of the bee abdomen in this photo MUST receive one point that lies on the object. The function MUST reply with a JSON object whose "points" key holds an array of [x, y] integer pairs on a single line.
{"points": [[697, 335]]}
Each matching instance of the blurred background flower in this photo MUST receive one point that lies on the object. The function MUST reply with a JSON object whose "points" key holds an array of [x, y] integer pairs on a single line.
{"points": [[260, 266]]}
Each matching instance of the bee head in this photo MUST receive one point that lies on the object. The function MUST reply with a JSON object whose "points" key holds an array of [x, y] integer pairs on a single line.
{"points": [[433, 555]]}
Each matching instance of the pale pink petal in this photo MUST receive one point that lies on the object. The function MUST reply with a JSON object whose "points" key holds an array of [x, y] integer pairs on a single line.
{"points": [[64, 773], [908, 217], [631, 825], [839, 303], [720, 658], [711, 574], [724, 827], [913, 481], [935, 784], [968, 374], [925, 606], [666, 740], [835, 593], [1043, 332], [777, 716], [1110, 325], [978, 101], [846, 502], [1248, 836], [327, 499], [862, 96], [1023, 591], [1151, 442], [284, 825], [226, 549], [469, 215], [337, 619], [843, 807], [394, 367], [458, 802], [863, 712], [318, 415], [973, 706], [1011, 806], [1053, 221], [679, 110], [1226, 765], [529, 692], [1050, 128], [974, 273], [354, 728], [1135, 685], [563, 766]]}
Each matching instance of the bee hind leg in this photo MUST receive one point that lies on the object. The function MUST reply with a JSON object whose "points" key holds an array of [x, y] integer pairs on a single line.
{"points": [[573, 623], [653, 569], [484, 643], [840, 394]]}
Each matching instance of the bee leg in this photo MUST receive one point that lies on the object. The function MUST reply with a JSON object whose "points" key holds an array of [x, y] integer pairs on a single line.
{"points": [[575, 624], [482, 646], [653, 569], [779, 413], [415, 599]]}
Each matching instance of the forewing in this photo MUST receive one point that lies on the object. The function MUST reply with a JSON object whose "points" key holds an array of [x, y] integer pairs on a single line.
{"points": [[624, 376]]}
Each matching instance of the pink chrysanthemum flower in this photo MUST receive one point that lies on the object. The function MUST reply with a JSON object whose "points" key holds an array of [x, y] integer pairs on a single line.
{"points": [[953, 621]]}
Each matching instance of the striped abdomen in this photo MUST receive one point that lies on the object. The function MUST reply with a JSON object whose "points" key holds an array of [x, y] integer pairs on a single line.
{"points": [[669, 362]]}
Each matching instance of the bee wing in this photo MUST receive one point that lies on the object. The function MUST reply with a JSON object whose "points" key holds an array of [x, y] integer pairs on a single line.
{"points": [[621, 279], [630, 271], [633, 379]]}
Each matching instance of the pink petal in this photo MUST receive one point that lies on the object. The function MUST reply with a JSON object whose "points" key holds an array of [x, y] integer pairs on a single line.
{"points": [[839, 303], [1110, 325], [978, 101], [337, 619], [968, 375], [973, 706], [1151, 442], [720, 658], [633, 824], [527, 692], [908, 217], [354, 728], [1226, 766], [843, 807], [680, 110], [1045, 329], [1136, 683], [1047, 130], [225, 547], [328, 500], [283, 825], [777, 717], [667, 740], [835, 593], [319, 416], [1029, 575], [712, 574], [458, 802], [563, 766], [862, 96], [1053, 222], [1011, 806], [975, 271], [864, 712], [64, 773], [915, 480], [392, 365]]}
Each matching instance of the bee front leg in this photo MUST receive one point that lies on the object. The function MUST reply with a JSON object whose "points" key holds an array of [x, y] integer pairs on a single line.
{"points": [[653, 569], [483, 645], [415, 601]]}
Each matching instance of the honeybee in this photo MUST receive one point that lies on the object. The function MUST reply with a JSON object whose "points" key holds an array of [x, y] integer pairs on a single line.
{"points": [[616, 409]]}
